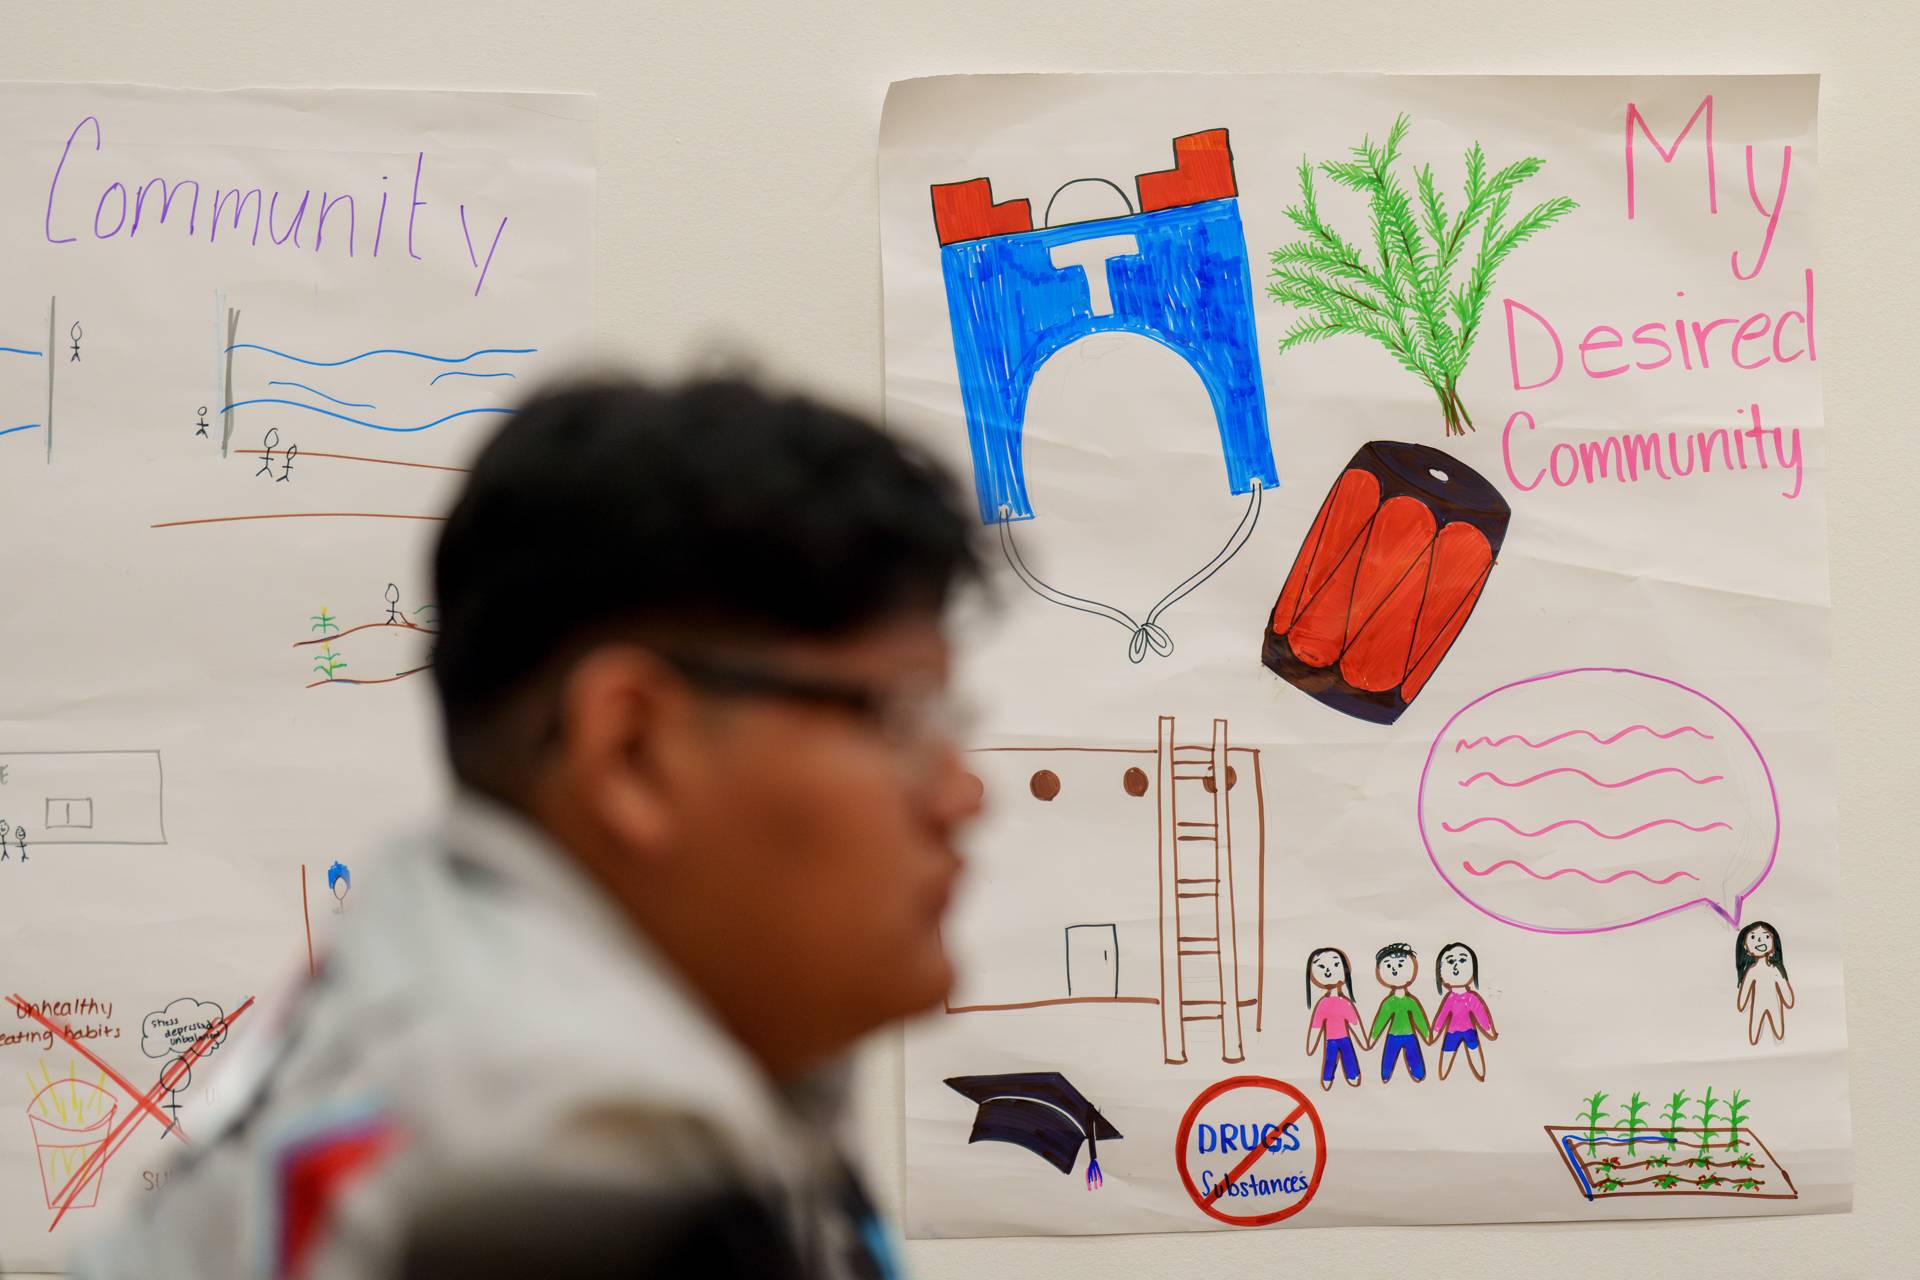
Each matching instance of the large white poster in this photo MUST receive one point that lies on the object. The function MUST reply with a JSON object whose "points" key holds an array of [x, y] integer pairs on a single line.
{"points": [[247, 343], [1406, 732]]}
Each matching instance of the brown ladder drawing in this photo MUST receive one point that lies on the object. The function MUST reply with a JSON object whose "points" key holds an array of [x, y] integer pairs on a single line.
{"points": [[1199, 947]]}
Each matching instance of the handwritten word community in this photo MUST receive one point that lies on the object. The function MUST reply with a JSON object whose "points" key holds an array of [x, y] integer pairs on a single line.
{"points": [[1755, 340], [333, 223]]}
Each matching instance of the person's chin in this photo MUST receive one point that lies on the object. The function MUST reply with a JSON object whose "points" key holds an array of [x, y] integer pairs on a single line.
{"points": [[932, 985]]}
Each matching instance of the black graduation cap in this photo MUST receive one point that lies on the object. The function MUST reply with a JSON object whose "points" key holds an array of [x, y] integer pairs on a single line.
{"points": [[1041, 1111]]}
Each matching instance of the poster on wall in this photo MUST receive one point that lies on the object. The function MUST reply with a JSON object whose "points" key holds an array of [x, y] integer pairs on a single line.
{"points": [[1406, 735], [248, 343]]}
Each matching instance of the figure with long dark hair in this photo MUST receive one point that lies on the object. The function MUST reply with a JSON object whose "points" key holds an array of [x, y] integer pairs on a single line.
{"points": [[1336, 1019], [1760, 972], [1463, 1016]]}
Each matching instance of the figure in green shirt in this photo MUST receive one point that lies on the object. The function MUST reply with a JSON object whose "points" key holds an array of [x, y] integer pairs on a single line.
{"points": [[1400, 1014]]}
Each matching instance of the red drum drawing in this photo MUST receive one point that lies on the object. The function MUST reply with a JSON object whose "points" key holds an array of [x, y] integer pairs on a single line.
{"points": [[1387, 577]]}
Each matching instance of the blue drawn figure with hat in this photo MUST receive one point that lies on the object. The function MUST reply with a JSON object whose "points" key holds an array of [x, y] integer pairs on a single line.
{"points": [[1173, 269], [339, 883]]}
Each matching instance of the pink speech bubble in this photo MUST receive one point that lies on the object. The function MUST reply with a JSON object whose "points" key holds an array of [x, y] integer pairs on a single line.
{"points": [[1593, 799]]}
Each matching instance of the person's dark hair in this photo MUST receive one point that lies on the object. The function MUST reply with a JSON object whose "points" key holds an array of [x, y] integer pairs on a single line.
{"points": [[1742, 961], [702, 513], [1346, 969], [1473, 975], [1393, 949]]}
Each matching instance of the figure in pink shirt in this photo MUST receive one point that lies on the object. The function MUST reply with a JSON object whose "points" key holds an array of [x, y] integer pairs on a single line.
{"points": [[1335, 1020], [1463, 1016]]}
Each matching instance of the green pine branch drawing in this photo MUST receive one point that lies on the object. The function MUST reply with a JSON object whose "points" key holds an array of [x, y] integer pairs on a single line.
{"points": [[1403, 295]]}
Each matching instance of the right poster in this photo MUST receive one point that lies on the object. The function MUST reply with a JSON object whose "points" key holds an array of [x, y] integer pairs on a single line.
{"points": [[1407, 697]]}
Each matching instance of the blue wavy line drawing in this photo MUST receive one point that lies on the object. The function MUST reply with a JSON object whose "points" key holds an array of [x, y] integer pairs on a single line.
{"points": [[462, 373], [351, 404], [19, 351], [25, 426], [361, 422], [385, 351]]}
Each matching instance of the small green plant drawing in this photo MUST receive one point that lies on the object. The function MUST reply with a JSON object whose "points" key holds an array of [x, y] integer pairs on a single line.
{"points": [[1635, 1105], [1676, 1113], [1746, 1184], [1706, 1118], [1611, 1184], [1710, 1180], [328, 663], [1736, 1116], [1745, 1161], [1667, 1181], [1595, 1115], [1404, 297], [1657, 1162], [323, 622]]}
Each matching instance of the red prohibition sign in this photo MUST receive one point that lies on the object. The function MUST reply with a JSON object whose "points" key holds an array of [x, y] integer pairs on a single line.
{"points": [[1298, 1106]]}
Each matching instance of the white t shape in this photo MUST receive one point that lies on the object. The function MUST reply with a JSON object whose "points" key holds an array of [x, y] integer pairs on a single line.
{"points": [[1092, 256]]}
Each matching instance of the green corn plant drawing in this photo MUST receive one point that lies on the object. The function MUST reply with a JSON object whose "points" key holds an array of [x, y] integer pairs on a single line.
{"points": [[328, 663], [1595, 1115], [1676, 1113], [1736, 1116], [1404, 295], [323, 622], [1635, 1105], [1707, 1101]]}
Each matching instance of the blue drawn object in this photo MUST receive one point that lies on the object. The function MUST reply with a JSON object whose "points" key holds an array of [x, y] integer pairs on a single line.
{"points": [[385, 351], [360, 422], [339, 883], [18, 351], [1183, 282], [462, 373], [1579, 1169], [25, 426], [349, 404]]}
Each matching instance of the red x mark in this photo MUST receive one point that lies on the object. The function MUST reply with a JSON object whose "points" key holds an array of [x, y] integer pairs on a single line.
{"points": [[144, 1104]]}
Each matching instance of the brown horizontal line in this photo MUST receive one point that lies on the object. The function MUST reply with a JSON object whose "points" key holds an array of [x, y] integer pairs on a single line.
{"points": [[354, 457], [296, 515], [1042, 1004]]}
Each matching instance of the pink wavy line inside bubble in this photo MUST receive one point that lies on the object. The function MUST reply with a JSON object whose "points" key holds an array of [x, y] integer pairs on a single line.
{"points": [[1624, 782], [1575, 871], [1582, 822], [1467, 745]]}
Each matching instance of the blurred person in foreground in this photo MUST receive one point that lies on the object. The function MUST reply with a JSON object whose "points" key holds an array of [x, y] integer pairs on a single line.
{"points": [[693, 676]]}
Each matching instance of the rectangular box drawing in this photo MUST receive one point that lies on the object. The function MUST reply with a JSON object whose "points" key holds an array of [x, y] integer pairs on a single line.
{"points": [[84, 797], [68, 813]]}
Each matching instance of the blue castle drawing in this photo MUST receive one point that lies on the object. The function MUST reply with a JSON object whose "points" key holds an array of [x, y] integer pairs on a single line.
{"points": [[1175, 271]]}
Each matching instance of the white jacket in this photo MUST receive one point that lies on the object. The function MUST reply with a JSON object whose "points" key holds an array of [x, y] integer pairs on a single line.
{"points": [[488, 1010]]}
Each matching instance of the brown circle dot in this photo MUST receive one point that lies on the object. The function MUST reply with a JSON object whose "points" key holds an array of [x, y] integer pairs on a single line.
{"points": [[1232, 777], [1045, 784], [1135, 781]]}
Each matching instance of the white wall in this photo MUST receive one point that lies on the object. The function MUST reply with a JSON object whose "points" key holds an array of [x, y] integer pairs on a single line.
{"points": [[736, 204]]}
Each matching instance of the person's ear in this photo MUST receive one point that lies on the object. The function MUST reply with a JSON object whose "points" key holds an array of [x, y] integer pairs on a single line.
{"points": [[620, 707]]}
